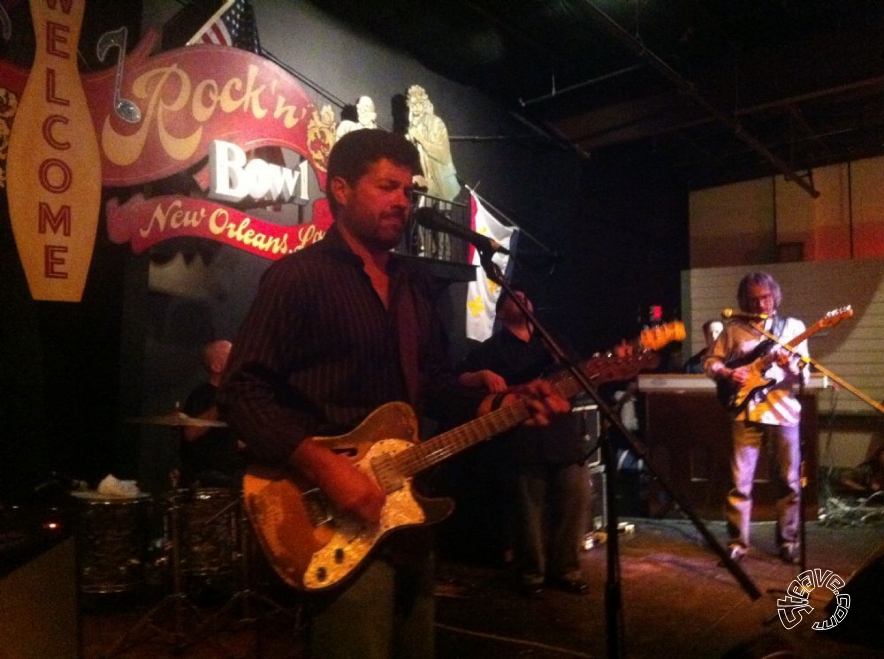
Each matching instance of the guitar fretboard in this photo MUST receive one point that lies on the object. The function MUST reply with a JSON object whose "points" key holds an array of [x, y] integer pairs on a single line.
{"points": [[421, 456], [603, 368], [598, 369]]}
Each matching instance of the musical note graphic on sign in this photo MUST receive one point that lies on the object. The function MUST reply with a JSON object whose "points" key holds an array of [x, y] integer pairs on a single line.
{"points": [[125, 109]]}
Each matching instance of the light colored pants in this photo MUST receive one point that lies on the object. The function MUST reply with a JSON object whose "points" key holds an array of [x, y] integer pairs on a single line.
{"points": [[747, 440]]}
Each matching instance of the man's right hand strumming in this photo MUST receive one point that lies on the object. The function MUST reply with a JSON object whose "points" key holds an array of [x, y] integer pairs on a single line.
{"points": [[350, 489]]}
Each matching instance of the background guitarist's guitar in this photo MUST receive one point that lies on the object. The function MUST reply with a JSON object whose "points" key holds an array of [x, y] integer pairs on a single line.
{"points": [[736, 396], [313, 548]]}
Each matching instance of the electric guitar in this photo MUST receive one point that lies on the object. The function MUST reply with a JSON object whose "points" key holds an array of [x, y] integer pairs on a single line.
{"points": [[736, 396], [314, 548]]}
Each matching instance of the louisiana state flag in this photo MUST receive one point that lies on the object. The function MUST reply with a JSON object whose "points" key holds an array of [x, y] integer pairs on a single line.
{"points": [[482, 293]]}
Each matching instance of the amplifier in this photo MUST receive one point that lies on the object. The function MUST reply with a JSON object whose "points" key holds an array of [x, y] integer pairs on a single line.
{"points": [[590, 429], [38, 607], [682, 382]]}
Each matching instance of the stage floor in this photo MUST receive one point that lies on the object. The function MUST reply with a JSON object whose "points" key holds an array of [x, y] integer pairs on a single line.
{"points": [[677, 601]]}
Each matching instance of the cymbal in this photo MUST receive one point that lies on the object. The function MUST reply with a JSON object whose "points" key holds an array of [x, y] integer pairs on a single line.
{"points": [[176, 419]]}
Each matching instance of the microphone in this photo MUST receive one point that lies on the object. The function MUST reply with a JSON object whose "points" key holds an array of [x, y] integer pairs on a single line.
{"points": [[732, 313], [430, 218]]}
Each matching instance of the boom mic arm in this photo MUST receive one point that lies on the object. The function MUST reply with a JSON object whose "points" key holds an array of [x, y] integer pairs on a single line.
{"points": [[430, 218]]}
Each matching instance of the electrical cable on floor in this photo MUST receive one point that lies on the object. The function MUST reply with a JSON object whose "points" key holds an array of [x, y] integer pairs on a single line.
{"points": [[516, 641], [840, 509]]}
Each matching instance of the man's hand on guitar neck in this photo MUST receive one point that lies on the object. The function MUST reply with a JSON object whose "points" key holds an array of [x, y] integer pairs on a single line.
{"points": [[541, 399], [348, 487], [790, 361], [485, 379]]}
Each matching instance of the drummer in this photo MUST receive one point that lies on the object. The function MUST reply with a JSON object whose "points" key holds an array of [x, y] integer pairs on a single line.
{"points": [[210, 455]]}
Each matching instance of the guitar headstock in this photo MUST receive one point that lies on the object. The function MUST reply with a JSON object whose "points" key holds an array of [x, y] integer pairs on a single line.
{"points": [[835, 316], [658, 336], [617, 368], [624, 363]]}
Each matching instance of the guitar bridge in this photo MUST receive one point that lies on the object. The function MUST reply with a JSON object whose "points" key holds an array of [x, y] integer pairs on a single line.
{"points": [[316, 506]]}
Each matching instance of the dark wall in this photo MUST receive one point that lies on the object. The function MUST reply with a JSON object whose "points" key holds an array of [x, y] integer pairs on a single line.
{"points": [[60, 362], [627, 246], [73, 373]]}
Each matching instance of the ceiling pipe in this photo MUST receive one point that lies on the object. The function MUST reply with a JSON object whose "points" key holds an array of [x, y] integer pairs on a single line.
{"points": [[688, 88], [586, 83]]}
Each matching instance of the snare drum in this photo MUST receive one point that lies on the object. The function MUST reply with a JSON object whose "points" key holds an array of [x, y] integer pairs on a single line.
{"points": [[112, 539]]}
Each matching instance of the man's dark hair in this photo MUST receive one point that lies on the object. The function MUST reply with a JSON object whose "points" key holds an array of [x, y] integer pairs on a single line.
{"points": [[355, 152]]}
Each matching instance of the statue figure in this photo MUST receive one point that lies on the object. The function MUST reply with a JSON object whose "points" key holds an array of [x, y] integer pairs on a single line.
{"points": [[366, 115], [429, 134]]}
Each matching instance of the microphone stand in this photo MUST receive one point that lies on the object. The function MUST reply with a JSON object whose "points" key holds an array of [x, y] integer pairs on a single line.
{"points": [[614, 624]]}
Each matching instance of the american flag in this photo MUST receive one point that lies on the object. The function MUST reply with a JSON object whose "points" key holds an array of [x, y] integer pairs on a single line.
{"points": [[232, 25]]}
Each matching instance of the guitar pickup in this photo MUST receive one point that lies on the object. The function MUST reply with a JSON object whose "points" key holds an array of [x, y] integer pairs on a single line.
{"points": [[316, 505]]}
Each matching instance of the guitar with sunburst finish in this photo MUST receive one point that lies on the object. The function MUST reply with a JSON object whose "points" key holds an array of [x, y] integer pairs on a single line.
{"points": [[758, 383]]}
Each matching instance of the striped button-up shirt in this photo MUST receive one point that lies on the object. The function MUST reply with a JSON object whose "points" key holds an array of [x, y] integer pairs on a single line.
{"points": [[319, 351]]}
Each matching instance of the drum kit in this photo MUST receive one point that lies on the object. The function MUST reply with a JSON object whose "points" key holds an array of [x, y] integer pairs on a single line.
{"points": [[207, 544]]}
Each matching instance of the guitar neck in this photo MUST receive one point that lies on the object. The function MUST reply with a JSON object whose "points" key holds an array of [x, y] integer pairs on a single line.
{"points": [[806, 334], [442, 447], [791, 344], [603, 368], [431, 452]]}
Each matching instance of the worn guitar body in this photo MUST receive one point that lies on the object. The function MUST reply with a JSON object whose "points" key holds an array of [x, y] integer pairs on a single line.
{"points": [[309, 544]]}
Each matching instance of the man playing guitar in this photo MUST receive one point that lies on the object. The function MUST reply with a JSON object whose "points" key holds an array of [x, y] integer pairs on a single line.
{"points": [[758, 378], [338, 330]]}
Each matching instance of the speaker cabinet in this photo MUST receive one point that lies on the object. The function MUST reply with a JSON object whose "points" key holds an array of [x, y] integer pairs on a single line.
{"points": [[689, 441], [865, 617], [38, 607]]}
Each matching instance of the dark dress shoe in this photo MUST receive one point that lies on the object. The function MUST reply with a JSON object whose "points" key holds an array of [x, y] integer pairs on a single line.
{"points": [[573, 586], [789, 553]]}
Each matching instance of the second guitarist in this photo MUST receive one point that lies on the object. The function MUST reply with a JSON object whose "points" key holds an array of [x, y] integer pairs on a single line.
{"points": [[761, 379]]}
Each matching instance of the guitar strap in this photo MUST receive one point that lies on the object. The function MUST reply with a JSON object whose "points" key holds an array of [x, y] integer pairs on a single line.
{"points": [[778, 326], [407, 329]]}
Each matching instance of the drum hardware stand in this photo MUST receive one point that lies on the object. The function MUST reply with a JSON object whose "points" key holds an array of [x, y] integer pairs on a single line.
{"points": [[247, 597], [177, 602]]}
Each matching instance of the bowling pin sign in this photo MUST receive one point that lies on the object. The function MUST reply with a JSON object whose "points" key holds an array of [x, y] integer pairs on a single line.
{"points": [[54, 170]]}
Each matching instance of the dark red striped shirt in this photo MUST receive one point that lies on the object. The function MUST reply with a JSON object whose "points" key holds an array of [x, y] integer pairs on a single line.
{"points": [[318, 350]]}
